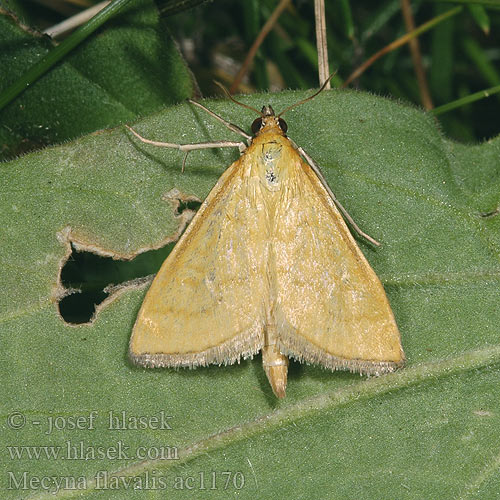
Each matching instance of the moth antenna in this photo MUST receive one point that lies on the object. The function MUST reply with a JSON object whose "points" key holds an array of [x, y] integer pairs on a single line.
{"points": [[310, 97], [234, 100]]}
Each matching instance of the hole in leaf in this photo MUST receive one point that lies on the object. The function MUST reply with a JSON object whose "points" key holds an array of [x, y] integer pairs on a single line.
{"points": [[88, 275], [193, 205]]}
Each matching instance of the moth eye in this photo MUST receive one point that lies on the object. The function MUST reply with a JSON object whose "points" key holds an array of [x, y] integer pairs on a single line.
{"points": [[256, 125], [283, 125]]}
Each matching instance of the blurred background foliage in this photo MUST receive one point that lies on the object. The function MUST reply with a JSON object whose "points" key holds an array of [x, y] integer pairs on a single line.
{"points": [[460, 55]]}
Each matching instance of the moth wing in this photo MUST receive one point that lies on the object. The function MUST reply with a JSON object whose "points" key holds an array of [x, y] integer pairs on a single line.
{"points": [[331, 307], [205, 304]]}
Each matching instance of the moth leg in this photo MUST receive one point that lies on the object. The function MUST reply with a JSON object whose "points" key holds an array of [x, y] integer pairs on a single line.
{"points": [[191, 147], [345, 213], [227, 124]]}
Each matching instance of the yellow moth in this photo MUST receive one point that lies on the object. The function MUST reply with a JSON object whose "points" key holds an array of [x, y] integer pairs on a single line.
{"points": [[267, 264]]}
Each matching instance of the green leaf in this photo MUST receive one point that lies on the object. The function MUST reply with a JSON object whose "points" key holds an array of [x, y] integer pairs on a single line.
{"points": [[130, 68], [427, 431]]}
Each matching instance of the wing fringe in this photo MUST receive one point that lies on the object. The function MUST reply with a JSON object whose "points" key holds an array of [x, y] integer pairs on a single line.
{"points": [[245, 345], [300, 349]]}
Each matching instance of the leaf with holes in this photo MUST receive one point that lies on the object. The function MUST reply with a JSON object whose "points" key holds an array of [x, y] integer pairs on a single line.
{"points": [[427, 431]]}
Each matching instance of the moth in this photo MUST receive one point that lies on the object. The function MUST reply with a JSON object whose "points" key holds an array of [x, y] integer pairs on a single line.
{"points": [[267, 264]]}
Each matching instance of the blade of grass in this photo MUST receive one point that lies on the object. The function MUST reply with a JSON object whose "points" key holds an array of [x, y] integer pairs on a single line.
{"points": [[465, 100], [494, 4], [478, 12], [345, 9], [171, 7]]}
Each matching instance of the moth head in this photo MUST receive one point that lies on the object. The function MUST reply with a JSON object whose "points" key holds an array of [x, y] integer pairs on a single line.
{"points": [[268, 119]]}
